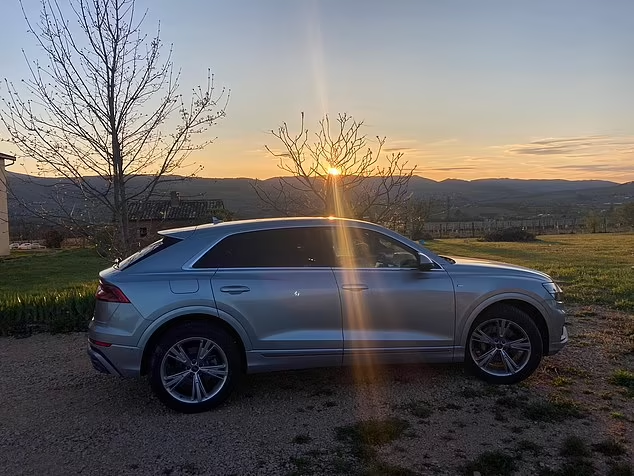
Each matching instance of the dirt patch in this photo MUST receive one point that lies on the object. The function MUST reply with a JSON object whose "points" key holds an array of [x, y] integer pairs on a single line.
{"points": [[574, 416]]}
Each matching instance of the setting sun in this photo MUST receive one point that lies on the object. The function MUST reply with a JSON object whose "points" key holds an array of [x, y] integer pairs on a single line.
{"points": [[334, 171]]}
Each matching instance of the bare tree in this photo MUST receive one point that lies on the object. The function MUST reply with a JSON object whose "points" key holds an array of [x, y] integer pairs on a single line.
{"points": [[337, 172], [410, 218], [103, 109]]}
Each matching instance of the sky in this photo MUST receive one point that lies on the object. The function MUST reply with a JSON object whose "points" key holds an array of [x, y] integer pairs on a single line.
{"points": [[464, 88]]}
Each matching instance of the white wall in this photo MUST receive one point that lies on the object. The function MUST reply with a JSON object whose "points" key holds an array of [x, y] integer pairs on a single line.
{"points": [[4, 215]]}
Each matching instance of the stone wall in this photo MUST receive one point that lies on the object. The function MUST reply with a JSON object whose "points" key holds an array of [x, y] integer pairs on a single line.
{"points": [[4, 215]]}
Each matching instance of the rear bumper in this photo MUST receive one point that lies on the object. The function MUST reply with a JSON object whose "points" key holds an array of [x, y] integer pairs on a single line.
{"points": [[100, 362], [116, 360]]}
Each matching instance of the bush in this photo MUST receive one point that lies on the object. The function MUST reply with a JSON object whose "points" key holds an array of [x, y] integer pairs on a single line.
{"points": [[510, 234], [53, 239], [64, 311]]}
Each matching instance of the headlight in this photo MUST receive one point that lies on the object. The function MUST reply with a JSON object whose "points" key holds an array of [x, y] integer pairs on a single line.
{"points": [[554, 290]]}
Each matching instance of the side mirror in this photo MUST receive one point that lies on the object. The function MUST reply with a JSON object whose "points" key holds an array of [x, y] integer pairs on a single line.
{"points": [[424, 263]]}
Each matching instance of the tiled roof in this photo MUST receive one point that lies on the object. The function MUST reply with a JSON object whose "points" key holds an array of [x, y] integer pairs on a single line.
{"points": [[163, 210], [7, 158]]}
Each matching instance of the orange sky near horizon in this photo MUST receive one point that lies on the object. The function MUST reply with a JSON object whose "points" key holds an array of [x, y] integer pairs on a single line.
{"points": [[568, 158]]}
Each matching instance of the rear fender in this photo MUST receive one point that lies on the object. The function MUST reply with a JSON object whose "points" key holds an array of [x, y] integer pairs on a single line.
{"points": [[195, 310]]}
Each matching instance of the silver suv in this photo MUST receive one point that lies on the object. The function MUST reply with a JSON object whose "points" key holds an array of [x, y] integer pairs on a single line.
{"points": [[205, 304]]}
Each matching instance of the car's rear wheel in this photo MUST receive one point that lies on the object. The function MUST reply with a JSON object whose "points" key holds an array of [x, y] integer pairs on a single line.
{"points": [[194, 367], [504, 345]]}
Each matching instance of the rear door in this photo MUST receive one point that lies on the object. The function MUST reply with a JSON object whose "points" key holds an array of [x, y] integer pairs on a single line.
{"points": [[279, 283]]}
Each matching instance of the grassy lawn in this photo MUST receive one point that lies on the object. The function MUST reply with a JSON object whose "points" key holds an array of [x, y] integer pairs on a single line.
{"points": [[49, 271], [592, 269], [55, 289]]}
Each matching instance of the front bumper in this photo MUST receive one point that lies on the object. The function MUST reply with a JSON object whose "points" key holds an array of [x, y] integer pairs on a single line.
{"points": [[557, 346]]}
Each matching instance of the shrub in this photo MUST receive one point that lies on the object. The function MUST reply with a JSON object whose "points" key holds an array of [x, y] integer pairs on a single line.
{"points": [[53, 239], [510, 234], [63, 311]]}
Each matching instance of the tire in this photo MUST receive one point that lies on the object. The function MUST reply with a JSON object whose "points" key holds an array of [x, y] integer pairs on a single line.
{"points": [[195, 367], [504, 345]]}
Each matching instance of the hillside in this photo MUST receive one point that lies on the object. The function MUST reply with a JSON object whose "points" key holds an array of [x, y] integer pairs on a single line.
{"points": [[463, 199]]}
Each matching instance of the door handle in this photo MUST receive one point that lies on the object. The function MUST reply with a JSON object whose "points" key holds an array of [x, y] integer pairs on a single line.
{"points": [[234, 289], [354, 287]]}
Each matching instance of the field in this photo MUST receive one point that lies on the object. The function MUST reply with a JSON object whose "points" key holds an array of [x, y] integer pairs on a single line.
{"points": [[54, 289], [51, 271], [591, 268]]}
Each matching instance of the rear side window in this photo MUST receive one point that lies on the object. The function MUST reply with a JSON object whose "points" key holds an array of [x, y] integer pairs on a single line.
{"points": [[148, 251], [289, 247]]}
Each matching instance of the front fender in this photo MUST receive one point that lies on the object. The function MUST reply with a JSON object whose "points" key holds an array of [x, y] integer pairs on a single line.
{"points": [[470, 315]]}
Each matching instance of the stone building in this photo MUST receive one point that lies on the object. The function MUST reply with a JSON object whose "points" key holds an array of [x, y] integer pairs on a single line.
{"points": [[4, 212]]}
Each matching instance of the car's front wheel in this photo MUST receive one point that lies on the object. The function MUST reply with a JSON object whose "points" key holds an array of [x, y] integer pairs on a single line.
{"points": [[194, 367], [504, 345]]}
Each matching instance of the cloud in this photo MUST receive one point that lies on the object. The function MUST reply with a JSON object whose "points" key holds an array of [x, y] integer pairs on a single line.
{"points": [[595, 167], [404, 150], [449, 169], [588, 146], [569, 139], [531, 150]]}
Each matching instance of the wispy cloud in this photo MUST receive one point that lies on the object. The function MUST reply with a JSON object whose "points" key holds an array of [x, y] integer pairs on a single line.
{"points": [[450, 169], [595, 167], [580, 146], [403, 150]]}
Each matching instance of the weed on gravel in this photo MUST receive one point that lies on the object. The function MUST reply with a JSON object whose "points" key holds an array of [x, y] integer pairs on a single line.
{"points": [[574, 447], [419, 409], [609, 448], [552, 410], [491, 463], [528, 446], [302, 439], [573, 467], [624, 378], [620, 469], [362, 437]]}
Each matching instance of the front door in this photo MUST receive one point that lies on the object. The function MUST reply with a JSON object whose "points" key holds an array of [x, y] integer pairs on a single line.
{"points": [[390, 308]]}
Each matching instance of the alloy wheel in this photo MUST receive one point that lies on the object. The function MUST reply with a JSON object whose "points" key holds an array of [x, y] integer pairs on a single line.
{"points": [[194, 370], [500, 347]]}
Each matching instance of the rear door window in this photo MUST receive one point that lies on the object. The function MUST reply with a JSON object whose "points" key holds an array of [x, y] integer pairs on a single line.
{"points": [[280, 248]]}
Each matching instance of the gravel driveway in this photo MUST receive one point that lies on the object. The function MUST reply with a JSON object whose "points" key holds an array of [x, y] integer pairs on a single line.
{"points": [[57, 416]]}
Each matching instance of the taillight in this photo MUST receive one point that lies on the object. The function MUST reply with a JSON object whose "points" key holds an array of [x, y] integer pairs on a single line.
{"points": [[110, 293], [99, 343]]}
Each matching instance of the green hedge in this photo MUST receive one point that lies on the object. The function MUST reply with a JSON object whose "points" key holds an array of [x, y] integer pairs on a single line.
{"points": [[61, 311]]}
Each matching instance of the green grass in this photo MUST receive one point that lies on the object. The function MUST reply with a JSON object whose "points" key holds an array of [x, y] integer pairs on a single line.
{"points": [[51, 291], [592, 268], [46, 272]]}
